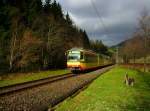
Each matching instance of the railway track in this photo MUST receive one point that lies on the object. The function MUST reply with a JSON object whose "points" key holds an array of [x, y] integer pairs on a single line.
{"points": [[48, 93], [30, 84]]}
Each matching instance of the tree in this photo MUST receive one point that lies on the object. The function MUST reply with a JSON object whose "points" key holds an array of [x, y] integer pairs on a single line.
{"points": [[30, 51], [144, 26], [99, 47], [132, 49], [14, 44], [56, 10], [139, 45], [33, 9], [68, 19], [47, 6]]}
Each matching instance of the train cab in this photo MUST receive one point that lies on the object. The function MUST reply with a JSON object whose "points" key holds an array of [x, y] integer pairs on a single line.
{"points": [[79, 59], [74, 58]]}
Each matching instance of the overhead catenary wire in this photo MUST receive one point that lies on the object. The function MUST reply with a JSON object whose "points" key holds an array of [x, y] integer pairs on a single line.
{"points": [[99, 17]]}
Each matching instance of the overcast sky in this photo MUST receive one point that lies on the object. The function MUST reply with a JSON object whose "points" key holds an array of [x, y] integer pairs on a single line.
{"points": [[118, 18]]}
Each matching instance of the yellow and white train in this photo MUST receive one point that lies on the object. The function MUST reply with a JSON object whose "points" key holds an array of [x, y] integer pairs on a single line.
{"points": [[79, 59]]}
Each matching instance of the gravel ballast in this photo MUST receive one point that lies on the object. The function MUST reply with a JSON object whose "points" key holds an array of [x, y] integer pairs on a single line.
{"points": [[41, 97]]}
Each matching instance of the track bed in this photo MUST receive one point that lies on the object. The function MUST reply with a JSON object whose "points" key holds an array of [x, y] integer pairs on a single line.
{"points": [[49, 94]]}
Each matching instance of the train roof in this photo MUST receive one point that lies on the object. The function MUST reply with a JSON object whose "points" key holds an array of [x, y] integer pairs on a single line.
{"points": [[83, 50], [87, 51]]}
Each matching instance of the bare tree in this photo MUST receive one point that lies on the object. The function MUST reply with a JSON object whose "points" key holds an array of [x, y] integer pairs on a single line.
{"points": [[144, 25], [14, 44], [133, 49]]}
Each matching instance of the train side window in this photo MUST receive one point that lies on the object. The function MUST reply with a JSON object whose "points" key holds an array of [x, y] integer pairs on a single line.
{"points": [[86, 58], [81, 55]]}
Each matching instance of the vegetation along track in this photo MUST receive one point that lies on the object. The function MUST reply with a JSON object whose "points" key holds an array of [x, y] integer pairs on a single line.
{"points": [[30, 84], [137, 66]]}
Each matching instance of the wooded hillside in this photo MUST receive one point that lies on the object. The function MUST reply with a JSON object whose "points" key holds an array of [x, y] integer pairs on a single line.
{"points": [[35, 36]]}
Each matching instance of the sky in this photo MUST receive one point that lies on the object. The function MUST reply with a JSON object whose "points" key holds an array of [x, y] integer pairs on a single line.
{"points": [[114, 21]]}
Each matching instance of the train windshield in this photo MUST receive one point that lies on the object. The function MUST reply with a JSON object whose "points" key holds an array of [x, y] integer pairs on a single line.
{"points": [[74, 56]]}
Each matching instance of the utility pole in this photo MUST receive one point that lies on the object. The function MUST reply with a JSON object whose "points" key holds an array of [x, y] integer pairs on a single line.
{"points": [[145, 48], [117, 55]]}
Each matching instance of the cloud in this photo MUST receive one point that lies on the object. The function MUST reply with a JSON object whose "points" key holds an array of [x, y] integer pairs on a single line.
{"points": [[119, 18], [78, 3]]}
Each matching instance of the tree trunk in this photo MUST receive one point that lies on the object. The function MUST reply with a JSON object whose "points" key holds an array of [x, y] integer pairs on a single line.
{"points": [[144, 63], [12, 48]]}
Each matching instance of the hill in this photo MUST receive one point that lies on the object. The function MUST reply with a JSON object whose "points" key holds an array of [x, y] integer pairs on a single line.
{"points": [[120, 44]]}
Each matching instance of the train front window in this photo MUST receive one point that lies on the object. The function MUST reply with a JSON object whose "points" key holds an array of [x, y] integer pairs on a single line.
{"points": [[74, 56]]}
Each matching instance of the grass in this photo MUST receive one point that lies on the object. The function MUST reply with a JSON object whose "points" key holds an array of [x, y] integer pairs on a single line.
{"points": [[11, 79], [109, 93]]}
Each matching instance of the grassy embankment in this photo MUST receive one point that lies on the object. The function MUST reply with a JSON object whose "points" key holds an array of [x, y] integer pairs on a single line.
{"points": [[109, 93], [11, 79]]}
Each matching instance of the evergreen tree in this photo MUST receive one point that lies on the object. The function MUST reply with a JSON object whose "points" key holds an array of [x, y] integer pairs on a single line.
{"points": [[56, 9], [68, 19], [99, 47], [34, 8], [47, 6], [86, 42]]}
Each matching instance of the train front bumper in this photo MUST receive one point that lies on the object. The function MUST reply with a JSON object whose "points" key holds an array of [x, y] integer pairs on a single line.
{"points": [[74, 66]]}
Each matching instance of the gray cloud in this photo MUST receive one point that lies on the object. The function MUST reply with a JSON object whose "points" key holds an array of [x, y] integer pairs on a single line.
{"points": [[119, 16]]}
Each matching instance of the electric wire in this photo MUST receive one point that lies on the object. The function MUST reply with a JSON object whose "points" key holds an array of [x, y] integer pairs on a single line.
{"points": [[99, 16]]}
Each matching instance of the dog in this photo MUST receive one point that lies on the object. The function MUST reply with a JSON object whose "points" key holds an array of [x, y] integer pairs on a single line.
{"points": [[129, 81]]}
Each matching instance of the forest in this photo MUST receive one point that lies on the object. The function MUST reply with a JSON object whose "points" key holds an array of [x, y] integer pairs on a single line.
{"points": [[35, 36]]}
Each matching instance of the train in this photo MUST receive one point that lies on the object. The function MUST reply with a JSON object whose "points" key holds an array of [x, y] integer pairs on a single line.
{"points": [[79, 59]]}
